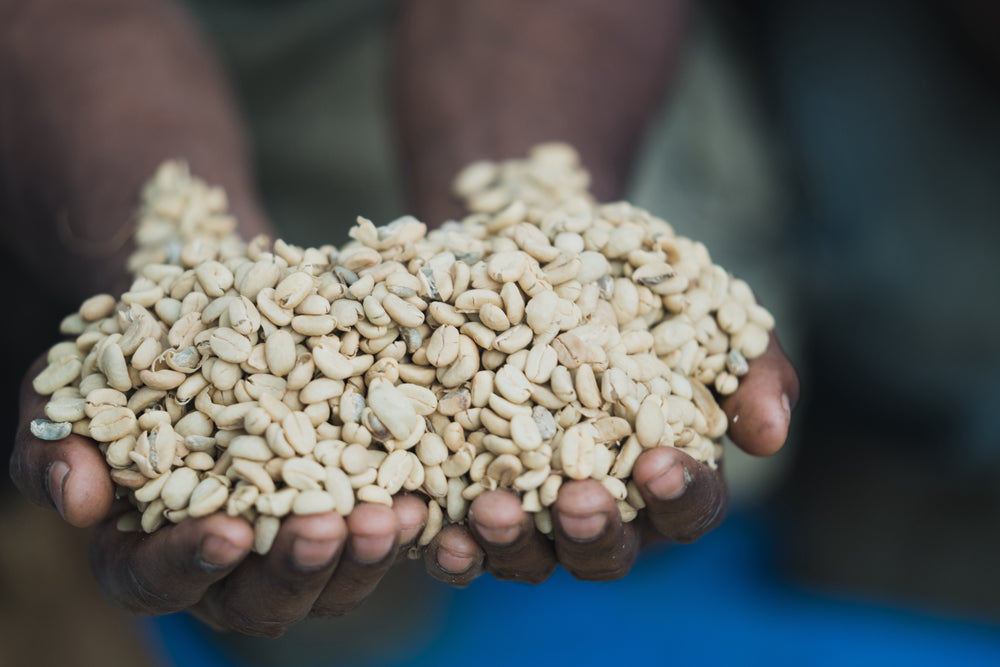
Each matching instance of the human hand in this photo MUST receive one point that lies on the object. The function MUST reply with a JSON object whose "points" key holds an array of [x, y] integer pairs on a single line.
{"points": [[684, 500], [320, 565]]}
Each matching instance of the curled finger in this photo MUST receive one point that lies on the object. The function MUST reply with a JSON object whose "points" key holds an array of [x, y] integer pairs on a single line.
{"points": [[591, 540]]}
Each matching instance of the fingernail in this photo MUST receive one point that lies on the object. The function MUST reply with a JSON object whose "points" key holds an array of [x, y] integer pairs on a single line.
{"points": [[371, 549], [671, 483], [56, 480], [453, 562], [583, 528], [217, 553], [786, 405], [314, 554], [500, 536]]}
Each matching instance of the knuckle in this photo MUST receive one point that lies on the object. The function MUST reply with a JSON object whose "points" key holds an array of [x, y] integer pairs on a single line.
{"points": [[139, 594], [335, 609], [236, 619]]}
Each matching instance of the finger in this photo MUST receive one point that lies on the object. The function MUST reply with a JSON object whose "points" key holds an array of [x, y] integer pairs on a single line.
{"points": [[373, 538], [761, 408], [591, 540], [513, 549], [411, 513], [454, 556], [67, 475], [171, 569], [266, 594], [684, 498]]}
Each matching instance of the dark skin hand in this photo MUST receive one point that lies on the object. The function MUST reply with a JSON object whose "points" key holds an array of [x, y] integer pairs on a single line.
{"points": [[684, 500], [323, 564], [85, 141], [319, 565], [487, 80]]}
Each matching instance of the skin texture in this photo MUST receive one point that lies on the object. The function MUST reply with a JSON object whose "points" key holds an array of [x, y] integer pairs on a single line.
{"points": [[488, 80], [85, 140]]}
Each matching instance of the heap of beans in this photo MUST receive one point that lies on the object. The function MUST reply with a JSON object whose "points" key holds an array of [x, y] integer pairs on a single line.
{"points": [[544, 337]]}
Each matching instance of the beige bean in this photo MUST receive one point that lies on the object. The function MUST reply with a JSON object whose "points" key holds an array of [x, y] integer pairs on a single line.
{"points": [[354, 459], [649, 421], [505, 469], [539, 364], [313, 325], [293, 289], [514, 339], [178, 488], [164, 380], [442, 348], [576, 453], [244, 317], [456, 505], [101, 399], [445, 314], [320, 390], [586, 387], [372, 493], [435, 482], [494, 423], [97, 307], [313, 501], [265, 530], [112, 423], [431, 450], [435, 520], [152, 517], [209, 496], [513, 302], [415, 479], [251, 447], [299, 432], [403, 313], [477, 471], [276, 503], [394, 471], [457, 464], [200, 461], [751, 341], [303, 474], [151, 490], [524, 432], [242, 499], [279, 351], [392, 408], [512, 384], [726, 383], [339, 487], [422, 399]]}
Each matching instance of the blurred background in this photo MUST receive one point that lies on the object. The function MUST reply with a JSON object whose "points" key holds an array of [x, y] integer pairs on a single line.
{"points": [[844, 158]]}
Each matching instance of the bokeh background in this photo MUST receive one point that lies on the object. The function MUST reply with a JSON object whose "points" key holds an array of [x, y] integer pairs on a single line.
{"points": [[844, 158]]}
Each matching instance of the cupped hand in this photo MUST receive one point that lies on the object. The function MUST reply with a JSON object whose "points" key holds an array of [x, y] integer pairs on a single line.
{"points": [[319, 565], [684, 500]]}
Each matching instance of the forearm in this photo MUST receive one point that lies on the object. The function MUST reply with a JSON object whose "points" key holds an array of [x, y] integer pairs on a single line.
{"points": [[94, 94], [482, 79]]}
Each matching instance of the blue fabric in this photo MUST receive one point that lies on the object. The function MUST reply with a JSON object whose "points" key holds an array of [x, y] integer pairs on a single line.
{"points": [[716, 602]]}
